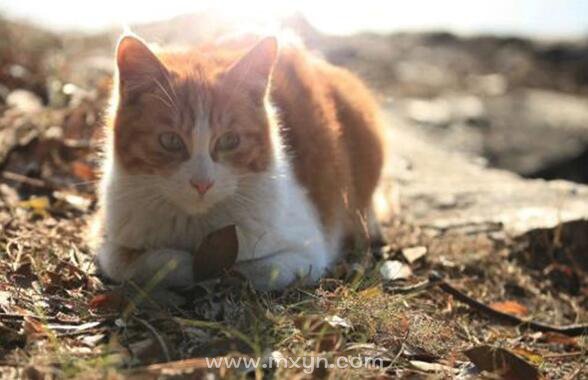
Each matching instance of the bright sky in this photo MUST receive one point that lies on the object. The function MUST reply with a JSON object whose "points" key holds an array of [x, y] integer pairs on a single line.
{"points": [[546, 18]]}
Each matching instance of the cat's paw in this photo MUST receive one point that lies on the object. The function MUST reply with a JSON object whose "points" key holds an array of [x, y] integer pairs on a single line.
{"points": [[164, 268], [279, 271]]}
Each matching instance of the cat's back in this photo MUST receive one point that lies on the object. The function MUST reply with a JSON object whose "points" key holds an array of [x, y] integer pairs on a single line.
{"points": [[329, 125]]}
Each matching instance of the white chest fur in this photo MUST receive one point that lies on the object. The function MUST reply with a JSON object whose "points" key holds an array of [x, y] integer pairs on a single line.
{"points": [[271, 212]]}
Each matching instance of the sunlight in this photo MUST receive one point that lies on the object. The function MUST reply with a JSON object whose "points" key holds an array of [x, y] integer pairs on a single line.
{"points": [[463, 16]]}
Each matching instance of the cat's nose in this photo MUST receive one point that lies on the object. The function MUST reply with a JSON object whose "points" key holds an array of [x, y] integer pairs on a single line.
{"points": [[202, 186]]}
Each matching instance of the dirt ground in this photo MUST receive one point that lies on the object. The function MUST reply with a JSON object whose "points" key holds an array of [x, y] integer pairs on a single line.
{"points": [[469, 300]]}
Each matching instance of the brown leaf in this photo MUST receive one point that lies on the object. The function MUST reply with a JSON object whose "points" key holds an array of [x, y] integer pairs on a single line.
{"points": [[83, 171], [216, 254], [23, 276], [111, 301], [510, 307], [528, 355], [502, 362], [33, 328], [557, 338]]}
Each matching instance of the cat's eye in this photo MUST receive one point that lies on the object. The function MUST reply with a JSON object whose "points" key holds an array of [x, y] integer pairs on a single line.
{"points": [[228, 141], [171, 142]]}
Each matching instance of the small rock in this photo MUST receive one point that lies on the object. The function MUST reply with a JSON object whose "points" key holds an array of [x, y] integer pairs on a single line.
{"points": [[395, 270], [24, 101], [413, 254], [436, 112]]}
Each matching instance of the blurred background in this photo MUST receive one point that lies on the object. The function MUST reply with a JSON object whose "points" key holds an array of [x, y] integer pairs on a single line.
{"points": [[504, 83]]}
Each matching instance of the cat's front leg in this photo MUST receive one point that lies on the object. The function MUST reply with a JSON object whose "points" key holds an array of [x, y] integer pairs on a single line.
{"points": [[162, 268], [281, 269]]}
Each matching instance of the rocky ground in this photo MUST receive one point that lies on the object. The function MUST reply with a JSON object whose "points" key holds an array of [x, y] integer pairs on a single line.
{"points": [[484, 273]]}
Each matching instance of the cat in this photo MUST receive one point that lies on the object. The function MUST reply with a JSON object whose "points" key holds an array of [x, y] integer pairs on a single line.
{"points": [[277, 142]]}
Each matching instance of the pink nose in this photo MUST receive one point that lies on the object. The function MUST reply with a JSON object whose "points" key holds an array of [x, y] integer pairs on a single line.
{"points": [[202, 186]]}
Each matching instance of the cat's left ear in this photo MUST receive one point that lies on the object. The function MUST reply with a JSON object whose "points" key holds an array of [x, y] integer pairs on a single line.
{"points": [[254, 69], [138, 67]]}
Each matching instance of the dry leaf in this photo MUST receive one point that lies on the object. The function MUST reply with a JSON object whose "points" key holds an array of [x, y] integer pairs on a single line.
{"points": [[38, 205], [510, 307], [433, 367], [502, 362], [76, 201], [83, 171], [557, 338], [395, 270], [216, 254], [33, 328], [111, 301], [413, 254], [336, 321], [531, 356]]}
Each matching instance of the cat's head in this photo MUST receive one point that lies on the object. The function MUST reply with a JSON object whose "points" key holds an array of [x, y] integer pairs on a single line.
{"points": [[192, 124]]}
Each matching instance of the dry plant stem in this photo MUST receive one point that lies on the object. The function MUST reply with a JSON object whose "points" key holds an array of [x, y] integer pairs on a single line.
{"points": [[7, 317], [570, 330], [25, 180], [156, 335]]}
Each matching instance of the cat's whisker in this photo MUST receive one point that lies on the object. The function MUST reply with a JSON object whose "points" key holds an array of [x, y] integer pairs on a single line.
{"points": [[163, 101], [166, 93]]}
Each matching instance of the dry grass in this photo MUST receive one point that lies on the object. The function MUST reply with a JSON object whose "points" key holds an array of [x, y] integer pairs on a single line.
{"points": [[48, 292]]}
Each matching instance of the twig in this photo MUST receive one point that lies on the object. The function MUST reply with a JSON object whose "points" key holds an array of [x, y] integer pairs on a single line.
{"points": [[154, 332], [564, 355], [476, 227], [34, 182], [8, 317], [570, 330], [576, 372], [420, 286]]}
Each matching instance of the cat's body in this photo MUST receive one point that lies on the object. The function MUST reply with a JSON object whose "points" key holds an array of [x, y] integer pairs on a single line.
{"points": [[196, 145]]}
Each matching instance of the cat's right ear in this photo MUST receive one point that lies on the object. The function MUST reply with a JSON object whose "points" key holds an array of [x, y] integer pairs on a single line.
{"points": [[138, 68]]}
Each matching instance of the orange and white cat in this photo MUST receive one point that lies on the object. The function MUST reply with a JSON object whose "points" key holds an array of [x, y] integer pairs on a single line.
{"points": [[279, 143]]}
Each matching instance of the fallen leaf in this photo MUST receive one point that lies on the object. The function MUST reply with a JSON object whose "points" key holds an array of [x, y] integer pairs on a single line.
{"points": [[413, 254], [33, 329], [83, 171], [510, 307], [91, 340], [111, 301], [395, 270], [336, 321], [530, 356], [75, 201], [502, 362], [216, 254], [433, 367], [38, 205], [557, 338], [24, 275]]}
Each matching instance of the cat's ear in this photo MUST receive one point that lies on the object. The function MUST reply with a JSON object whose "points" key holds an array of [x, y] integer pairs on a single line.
{"points": [[253, 71], [138, 67]]}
